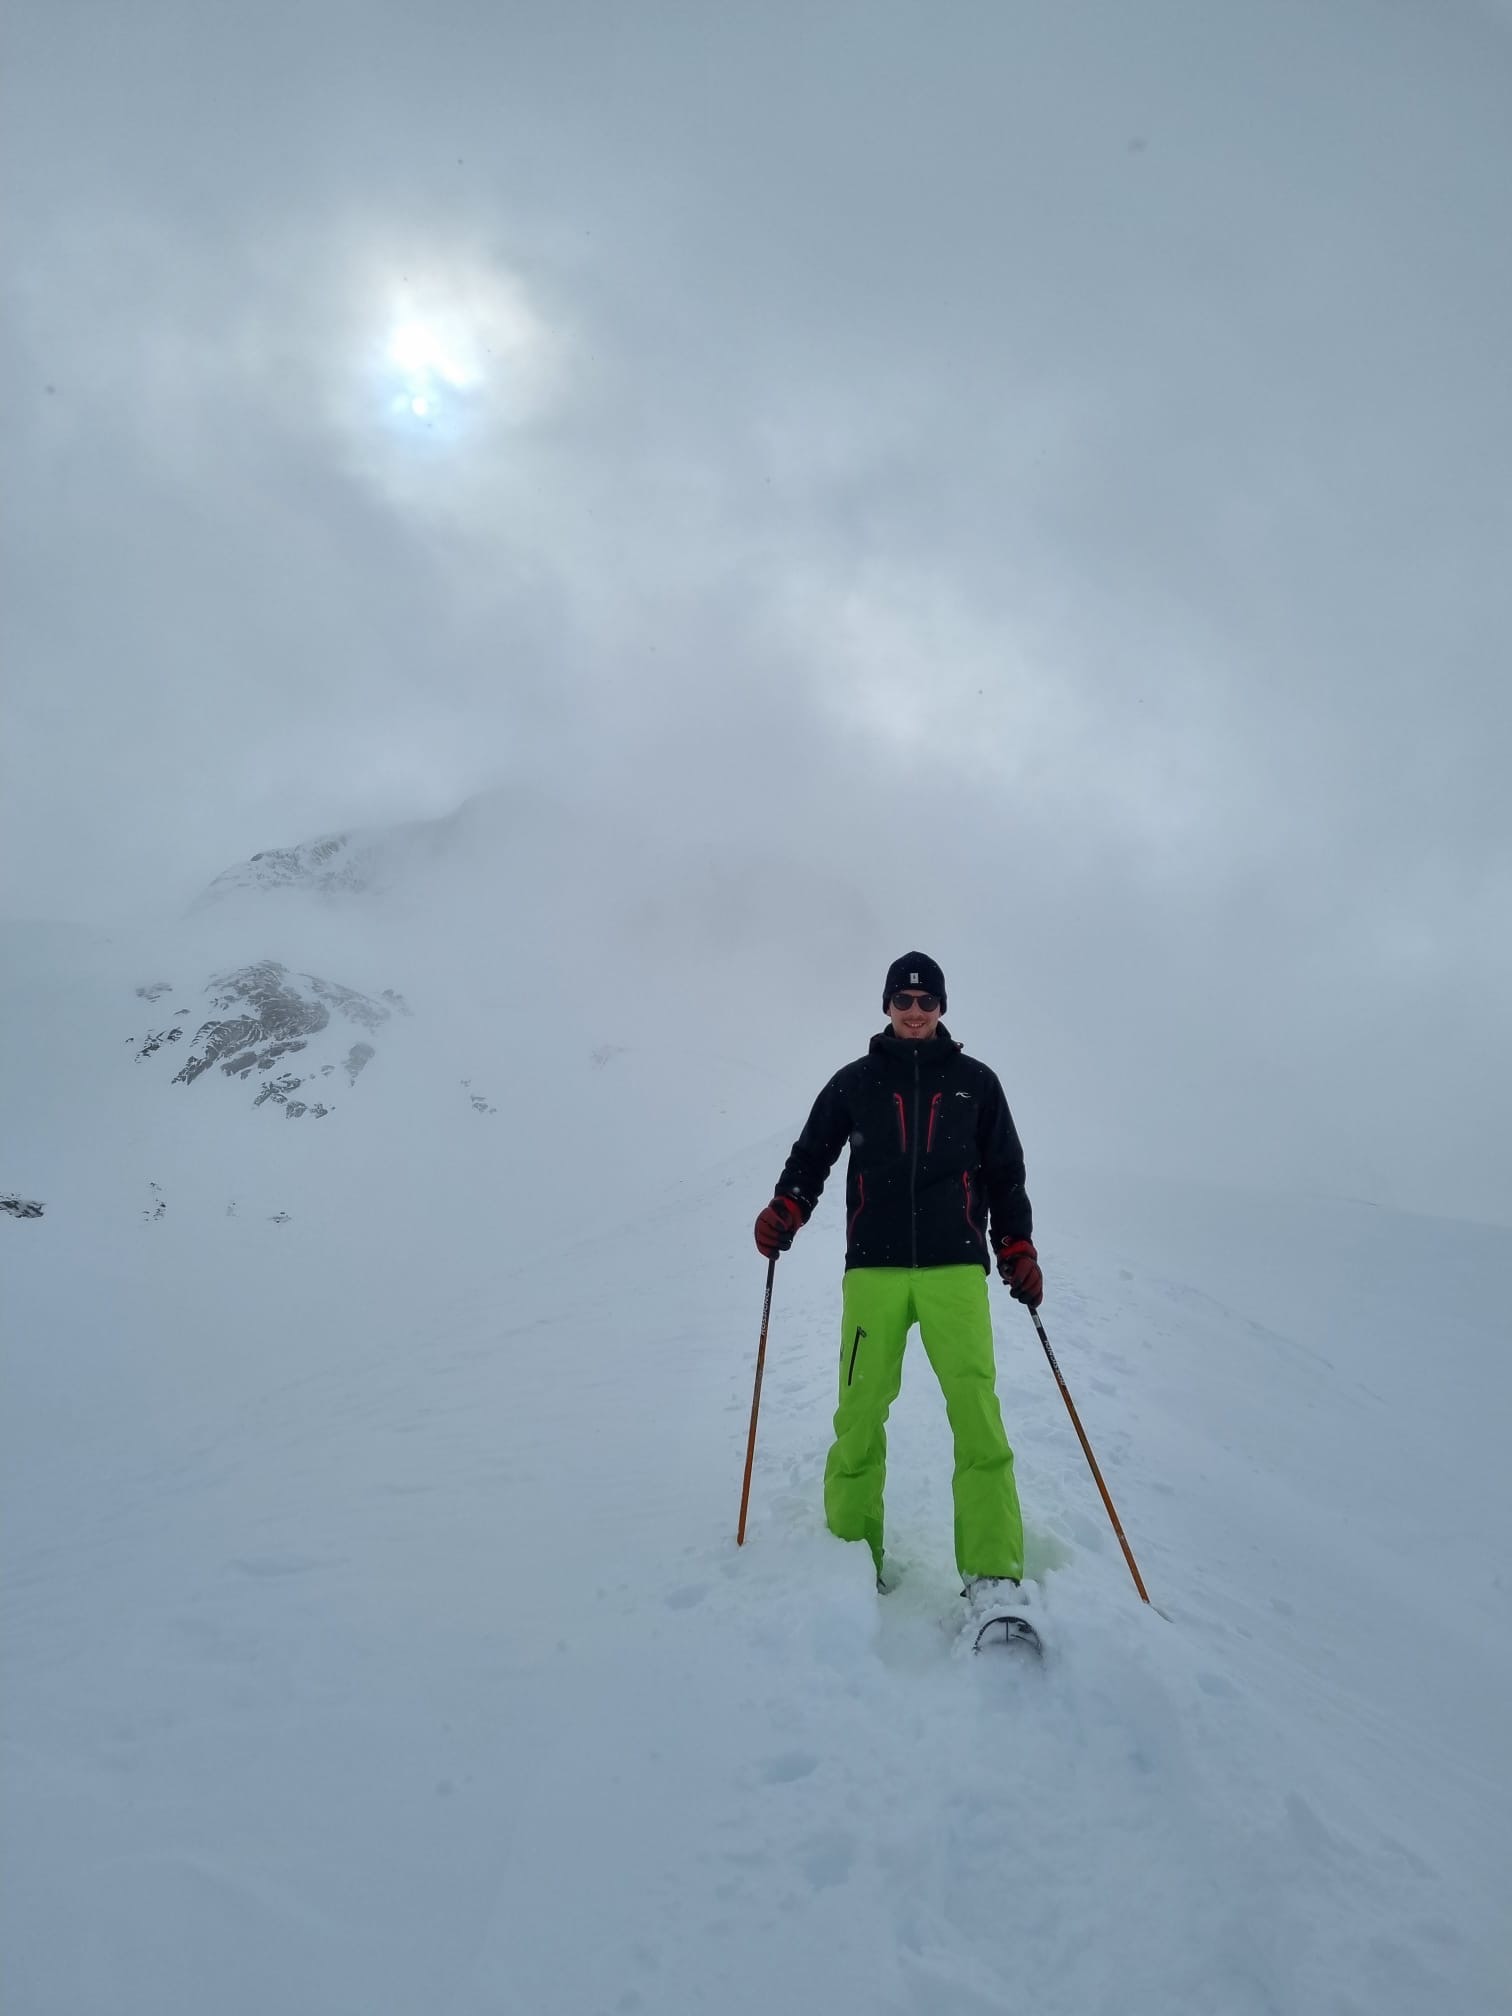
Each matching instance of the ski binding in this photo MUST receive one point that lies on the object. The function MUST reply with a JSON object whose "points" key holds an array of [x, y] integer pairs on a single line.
{"points": [[1015, 1631]]}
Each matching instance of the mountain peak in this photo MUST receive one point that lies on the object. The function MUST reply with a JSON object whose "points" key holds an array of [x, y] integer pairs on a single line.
{"points": [[337, 863]]}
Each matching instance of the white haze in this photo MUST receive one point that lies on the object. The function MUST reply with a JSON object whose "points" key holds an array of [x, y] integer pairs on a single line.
{"points": [[1029, 483]]}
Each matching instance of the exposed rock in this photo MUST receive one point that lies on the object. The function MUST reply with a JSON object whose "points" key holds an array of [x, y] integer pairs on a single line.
{"points": [[278, 1088], [355, 1007], [156, 991], [338, 867], [329, 864], [267, 1013], [217, 1038], [152, 1044], [20, 1207], [476, 1100], [284, 1033], [281, 1090], [257, 1060]]}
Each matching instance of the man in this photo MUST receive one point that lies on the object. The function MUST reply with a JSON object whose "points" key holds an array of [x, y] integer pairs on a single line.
{"points": [[934, 1186]]}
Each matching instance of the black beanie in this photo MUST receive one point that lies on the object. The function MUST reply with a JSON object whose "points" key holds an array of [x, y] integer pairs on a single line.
{"points": [[914, 969]]}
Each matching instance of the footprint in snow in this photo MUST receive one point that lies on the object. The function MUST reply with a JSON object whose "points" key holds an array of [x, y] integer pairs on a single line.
{"points": [[788, 1767], [687, 1596]]}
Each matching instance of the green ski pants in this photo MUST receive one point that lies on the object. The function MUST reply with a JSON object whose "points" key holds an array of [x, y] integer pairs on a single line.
{"points": [[949, 1304]]}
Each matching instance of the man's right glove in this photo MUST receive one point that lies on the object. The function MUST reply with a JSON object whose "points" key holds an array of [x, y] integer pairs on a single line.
{"points": [[1018, 1263], [776, 1226]]}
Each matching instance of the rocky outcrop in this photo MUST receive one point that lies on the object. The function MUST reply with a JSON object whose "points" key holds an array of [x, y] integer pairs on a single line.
{"points": [[155, 1039], [330, 866], [477, 1100], [339, 866], [262, 1017]]}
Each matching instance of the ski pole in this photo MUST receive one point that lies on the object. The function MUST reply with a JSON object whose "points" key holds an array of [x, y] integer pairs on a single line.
{"points": [[1091, 1459], [745, 1489]]}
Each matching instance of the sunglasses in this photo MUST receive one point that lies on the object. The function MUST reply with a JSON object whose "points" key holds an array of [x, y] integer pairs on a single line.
{"points": [[903, 1002]]}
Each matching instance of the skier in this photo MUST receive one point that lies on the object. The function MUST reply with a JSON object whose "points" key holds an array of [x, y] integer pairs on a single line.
{"points": [[934, 1160]]}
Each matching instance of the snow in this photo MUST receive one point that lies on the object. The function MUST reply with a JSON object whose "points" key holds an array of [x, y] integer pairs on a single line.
{"points": [[375, 1638]]}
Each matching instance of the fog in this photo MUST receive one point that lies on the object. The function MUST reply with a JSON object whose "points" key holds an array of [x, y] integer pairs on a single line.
{"points": [[1029, 483]]}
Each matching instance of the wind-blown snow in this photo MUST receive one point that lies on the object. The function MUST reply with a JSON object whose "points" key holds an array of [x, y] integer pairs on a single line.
{"points": [[376, 1641]]}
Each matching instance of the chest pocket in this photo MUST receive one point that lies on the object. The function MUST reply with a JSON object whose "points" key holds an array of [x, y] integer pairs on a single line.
{"points": [[952, 1122]]}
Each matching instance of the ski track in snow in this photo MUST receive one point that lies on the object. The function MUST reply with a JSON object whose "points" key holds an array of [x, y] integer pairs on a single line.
{"points": [[404, 1659]]}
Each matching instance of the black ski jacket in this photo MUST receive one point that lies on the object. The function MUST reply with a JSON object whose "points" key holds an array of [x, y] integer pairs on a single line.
{"points": [[934, 1156]]}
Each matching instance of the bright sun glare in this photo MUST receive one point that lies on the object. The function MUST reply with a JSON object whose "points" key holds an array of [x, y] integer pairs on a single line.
{"points": [[428, 370], [460, 351]]}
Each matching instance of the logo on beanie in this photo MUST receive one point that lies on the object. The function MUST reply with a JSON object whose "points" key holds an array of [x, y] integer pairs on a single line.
{"points": [[913, 969]]}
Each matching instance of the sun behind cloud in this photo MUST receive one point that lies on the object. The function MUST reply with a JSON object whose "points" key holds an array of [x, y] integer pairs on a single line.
{"points": [[465, 349], [426, 369]]}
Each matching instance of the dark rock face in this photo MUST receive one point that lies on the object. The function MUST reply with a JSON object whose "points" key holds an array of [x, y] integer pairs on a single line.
{"points": [[153, 1043], [20, 1207], [292, 862], [277, 1016], [264, 1015], [282, 1091]]}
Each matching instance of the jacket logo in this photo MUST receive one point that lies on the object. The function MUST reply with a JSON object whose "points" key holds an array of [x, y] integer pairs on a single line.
{"points": [[963, 1095]]}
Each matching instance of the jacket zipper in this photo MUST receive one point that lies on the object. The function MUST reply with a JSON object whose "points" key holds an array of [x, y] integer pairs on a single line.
{"points": [[855, 1347], [850, 1230], [934, 1114], [966, 1189], [902, 1122], [913, 1169]]}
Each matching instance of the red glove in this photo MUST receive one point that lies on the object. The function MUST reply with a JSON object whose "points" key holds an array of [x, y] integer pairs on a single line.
{"points": [[1018, 1263], [776, 1226]]}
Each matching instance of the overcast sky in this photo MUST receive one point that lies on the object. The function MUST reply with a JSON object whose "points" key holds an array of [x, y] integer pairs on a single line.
{"points": [[1046, 465]]}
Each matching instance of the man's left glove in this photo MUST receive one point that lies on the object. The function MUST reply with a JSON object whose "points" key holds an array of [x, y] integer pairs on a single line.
{"points": [[1018, 1263], [775, 1227]]}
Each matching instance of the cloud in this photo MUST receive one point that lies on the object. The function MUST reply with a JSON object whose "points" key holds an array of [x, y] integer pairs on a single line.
{"points": [[1048, 469]]}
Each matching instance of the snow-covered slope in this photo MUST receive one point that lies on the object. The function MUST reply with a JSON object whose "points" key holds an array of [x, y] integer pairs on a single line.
{"points": [[377, 1642], [375, 1639]]}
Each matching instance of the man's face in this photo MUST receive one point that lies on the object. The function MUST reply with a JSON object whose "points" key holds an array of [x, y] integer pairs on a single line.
{"points": [[910, 1018]]}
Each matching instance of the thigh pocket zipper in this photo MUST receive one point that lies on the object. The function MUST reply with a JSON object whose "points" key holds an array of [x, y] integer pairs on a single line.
{"points": [[855, 1347]]}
